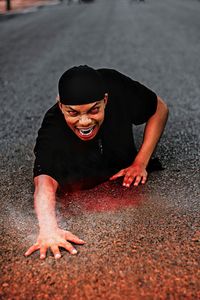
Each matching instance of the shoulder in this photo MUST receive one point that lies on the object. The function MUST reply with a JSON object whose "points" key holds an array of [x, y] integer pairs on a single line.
{"points": [[53, 113], [53, 118], [110, 73], [113, 76], [52, 125]]}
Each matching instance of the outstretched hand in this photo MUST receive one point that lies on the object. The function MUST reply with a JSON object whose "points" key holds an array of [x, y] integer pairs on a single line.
{"points": [[54, 240], [135, 174]]}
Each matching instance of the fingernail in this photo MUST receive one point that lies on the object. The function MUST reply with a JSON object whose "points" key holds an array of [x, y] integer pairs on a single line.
{"points": [[82, 241], [57, 255], [42, 256], [74, 251], [124, 184]]}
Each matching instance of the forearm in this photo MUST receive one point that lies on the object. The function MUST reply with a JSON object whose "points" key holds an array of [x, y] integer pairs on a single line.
{"points": [[152, 133], [50, 235], [44, 203]]}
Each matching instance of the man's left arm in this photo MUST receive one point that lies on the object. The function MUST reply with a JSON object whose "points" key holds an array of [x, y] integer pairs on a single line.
{"points": [[136, 173]]}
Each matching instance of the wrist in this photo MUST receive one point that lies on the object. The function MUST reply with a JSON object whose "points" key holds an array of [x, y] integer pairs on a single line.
{"points": [[47, 231], [46, 226], [141, 162]]}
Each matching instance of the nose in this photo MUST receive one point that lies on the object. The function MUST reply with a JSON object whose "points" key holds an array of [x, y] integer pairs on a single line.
{"points": [[84, 120]]}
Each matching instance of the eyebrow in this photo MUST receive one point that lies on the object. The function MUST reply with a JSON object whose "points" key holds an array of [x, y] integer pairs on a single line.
{"points": [[69, 107]]}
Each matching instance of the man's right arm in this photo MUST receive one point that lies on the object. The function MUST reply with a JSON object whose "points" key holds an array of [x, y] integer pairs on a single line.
{"points": [[50, 235]]}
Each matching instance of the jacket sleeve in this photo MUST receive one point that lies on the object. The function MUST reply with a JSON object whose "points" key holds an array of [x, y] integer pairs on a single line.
{"points": [[46, 149], [139, 101]]}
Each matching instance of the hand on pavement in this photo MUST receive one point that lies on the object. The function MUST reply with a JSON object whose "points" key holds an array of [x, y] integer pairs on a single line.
{"points": [[53, 240], [135, 174]]}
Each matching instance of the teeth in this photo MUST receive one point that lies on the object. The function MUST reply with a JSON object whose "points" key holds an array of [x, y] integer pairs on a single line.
{"points": [[86, 131]]}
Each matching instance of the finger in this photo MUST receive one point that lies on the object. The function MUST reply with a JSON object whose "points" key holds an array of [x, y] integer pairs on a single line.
{"points": [[73, 238], [144, 179], [68, 247], [32, 249], [119, 174], [56, 252], [128, 180], [43, 251], [137, 180]]}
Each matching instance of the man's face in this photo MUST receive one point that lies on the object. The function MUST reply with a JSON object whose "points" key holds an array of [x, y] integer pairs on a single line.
{"points": [[85, 120]]}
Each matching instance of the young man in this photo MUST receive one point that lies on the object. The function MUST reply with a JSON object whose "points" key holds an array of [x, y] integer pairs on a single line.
{"points": [[86, 138]]}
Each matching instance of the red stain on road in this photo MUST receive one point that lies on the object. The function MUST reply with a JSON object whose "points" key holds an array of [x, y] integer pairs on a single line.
{"points": [[102, 199], [108, 203]]}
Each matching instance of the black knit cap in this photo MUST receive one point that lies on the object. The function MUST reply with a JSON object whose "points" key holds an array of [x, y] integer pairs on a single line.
{"points": [[81, 85]]}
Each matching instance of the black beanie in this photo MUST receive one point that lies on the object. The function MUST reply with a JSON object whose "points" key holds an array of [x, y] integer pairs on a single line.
{"points": [[81, 85]]}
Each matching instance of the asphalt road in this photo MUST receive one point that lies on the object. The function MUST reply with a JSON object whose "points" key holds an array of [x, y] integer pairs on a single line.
{"points": [[142, 243]]}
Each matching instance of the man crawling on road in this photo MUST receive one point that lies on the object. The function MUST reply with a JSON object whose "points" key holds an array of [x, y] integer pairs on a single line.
{"points": [[86, 138]]}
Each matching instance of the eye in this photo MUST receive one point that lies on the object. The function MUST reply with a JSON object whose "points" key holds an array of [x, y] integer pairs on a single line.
{"points": [[72, 113], [94, 110]]}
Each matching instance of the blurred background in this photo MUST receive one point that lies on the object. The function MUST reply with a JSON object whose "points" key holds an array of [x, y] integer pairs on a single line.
{"points": [[16, 5]]}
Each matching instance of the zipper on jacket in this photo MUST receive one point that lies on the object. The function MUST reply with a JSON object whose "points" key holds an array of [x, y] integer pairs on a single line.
{"points": [[100, 146]]}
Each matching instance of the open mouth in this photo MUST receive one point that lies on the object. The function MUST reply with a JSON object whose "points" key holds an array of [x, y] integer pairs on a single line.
{"points": [[86, 131]]}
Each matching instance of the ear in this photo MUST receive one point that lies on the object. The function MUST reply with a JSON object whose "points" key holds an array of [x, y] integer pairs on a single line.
{"points": [[106, 98], [59, 104], [57, 98]]}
